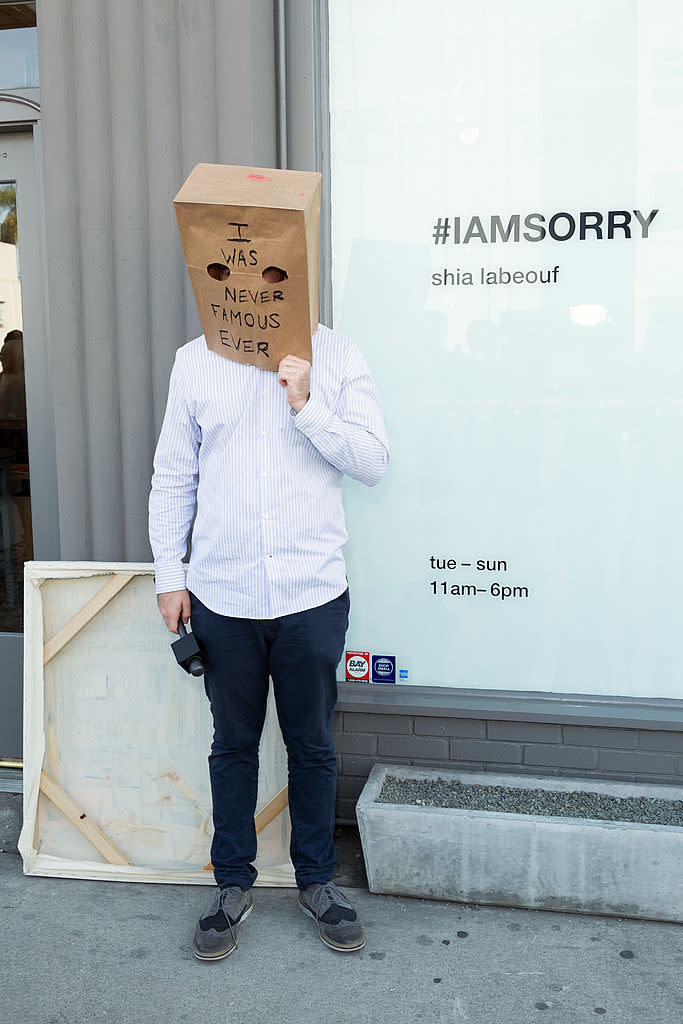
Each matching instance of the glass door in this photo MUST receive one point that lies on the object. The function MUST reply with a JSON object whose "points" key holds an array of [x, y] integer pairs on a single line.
{"points": [[23, 370], [15, 482]]}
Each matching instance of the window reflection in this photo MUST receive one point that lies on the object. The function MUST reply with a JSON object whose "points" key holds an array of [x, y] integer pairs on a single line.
{"points": [[18, 46]]}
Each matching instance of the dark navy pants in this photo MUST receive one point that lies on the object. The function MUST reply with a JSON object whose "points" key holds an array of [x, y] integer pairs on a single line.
{"points": [[301, 653]]}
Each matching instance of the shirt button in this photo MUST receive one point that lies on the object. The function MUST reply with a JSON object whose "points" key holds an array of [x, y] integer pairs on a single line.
{"points": [[264, 433], [266, 515], [264, 392], [264, 473]]}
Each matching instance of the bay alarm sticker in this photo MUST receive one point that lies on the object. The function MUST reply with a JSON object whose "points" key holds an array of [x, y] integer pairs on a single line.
{"points": [[383, 668], [358, 665]]}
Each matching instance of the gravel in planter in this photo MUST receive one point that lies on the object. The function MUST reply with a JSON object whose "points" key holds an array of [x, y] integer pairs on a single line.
{"points": [[451, 793]]}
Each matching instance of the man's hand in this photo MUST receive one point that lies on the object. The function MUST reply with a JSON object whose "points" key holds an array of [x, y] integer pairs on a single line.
{"points": [[295, 375], [171, 606]]}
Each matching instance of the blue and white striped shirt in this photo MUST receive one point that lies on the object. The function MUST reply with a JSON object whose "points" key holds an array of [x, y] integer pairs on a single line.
{"points": [[269, 530]]}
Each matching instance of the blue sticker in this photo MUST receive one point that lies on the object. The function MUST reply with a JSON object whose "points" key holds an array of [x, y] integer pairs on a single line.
{"points": [[383, 668], [403, 673]]}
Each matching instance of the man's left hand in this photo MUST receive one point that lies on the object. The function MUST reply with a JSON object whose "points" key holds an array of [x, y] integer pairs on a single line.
{"points": [[295, 375]]}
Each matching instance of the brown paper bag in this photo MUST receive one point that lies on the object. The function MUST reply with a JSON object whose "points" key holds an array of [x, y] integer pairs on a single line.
{"points": [[252, 241]]}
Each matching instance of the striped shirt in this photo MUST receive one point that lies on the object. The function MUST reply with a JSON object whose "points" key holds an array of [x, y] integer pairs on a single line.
{"points": [[265, 481]]}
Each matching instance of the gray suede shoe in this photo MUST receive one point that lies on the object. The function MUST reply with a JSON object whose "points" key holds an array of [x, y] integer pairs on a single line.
{"points": [[338, 924], [215, 936]]}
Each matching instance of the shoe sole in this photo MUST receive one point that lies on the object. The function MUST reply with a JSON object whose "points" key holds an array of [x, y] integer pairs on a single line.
{"points": [[222, 956], [330, 945]]}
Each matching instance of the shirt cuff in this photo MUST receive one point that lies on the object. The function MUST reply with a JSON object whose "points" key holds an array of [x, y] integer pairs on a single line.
{"points": [[169, 577], [313, 417]]}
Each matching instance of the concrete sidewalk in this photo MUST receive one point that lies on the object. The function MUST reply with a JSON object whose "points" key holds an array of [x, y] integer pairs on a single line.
{"points": [[83, 952]]}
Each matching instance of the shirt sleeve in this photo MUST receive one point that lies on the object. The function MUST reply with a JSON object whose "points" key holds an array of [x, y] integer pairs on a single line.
{"points": [[352, 436], [174, 486]]}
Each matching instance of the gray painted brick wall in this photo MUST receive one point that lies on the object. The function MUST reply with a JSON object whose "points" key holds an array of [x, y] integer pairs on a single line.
{"points": [[486, 750], [478, 744]]}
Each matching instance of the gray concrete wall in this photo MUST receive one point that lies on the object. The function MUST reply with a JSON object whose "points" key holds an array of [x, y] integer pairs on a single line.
{"points": [[133, 96]]}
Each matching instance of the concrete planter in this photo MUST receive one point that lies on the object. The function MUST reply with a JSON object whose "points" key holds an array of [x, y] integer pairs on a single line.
{"points": [[581, 865]]}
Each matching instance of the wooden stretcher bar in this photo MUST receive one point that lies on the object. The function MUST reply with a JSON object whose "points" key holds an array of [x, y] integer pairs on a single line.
{"points": [[77, 816], [84, 615]]}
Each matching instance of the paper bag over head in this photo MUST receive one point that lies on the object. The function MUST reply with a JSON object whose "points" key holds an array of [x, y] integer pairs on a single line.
{"points": [[251, 237]]}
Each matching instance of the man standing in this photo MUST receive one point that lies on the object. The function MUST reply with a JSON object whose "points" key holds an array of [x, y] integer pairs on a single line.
{"points": [[261, 456]]}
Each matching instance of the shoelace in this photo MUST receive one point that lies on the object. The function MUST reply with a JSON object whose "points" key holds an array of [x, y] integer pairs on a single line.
{"points": [[222, 897], [329, 895]]}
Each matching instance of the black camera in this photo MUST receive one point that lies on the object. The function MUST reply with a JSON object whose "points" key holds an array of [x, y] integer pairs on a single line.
{"points": [[188, 653]]}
